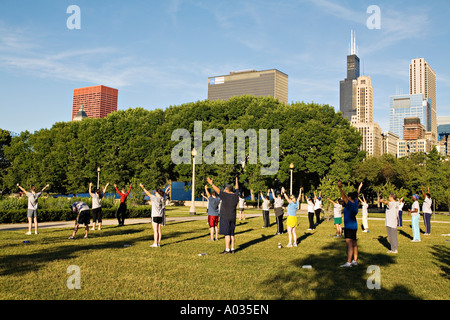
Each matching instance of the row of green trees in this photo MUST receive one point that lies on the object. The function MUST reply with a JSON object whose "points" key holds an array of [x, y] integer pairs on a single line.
{"points": [[134, 146]]}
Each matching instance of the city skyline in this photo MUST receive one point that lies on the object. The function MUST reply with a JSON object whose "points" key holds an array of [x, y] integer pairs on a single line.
{"points": [[162, 54]]}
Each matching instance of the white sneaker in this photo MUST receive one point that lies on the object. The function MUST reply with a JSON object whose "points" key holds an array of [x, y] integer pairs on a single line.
{"points": [[35, 232], [155, 245], [346, 265], [29, 232], [354, 263], [289, 245]]}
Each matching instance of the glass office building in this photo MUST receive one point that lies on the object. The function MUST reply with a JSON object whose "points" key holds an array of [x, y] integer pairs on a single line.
{"points": [[409, 106]]}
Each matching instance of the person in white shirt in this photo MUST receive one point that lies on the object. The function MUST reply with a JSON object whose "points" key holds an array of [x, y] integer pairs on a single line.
{"points": [[32, 211], [317, 207], [391, 221], [97, 197], [365, 214], [337, 210], [310, 202], [415, 217], [427, 211], [241, 205], [278, 209], [265, 209]]}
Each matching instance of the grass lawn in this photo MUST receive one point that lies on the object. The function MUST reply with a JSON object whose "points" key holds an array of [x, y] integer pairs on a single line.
{"points": [[117, 263]]}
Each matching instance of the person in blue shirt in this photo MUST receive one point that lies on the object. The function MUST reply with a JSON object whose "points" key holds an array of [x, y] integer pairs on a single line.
{"points": [[292, 216], [350, 224]]}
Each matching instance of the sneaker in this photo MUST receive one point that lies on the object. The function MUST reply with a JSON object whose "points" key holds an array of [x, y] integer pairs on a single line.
{"points": [[71, 238], [289, 245], [295, 244], [155, 245], [225, 252], [391, 251], [354, 263], [85, 237], [29, 232], [346, 265]]}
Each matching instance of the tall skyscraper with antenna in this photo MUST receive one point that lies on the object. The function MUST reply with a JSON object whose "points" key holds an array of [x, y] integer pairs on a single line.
{"points": [[348, 85]]}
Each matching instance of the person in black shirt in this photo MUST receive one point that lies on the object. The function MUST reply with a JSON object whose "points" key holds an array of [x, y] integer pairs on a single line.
{"points": [[227, 213]]}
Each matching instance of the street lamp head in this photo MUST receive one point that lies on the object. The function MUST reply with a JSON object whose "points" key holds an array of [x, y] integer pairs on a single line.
{"points": [[194, 152], [291, 166], [98, 169]]}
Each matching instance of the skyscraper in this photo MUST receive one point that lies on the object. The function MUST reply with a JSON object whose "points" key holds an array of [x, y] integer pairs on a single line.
{"points": [[347, 86], [97, 101], [408, 106], [422, 80], [258, 83], [362, 118]]}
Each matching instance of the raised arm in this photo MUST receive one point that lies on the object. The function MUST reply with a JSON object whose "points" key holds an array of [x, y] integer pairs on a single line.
{"points": [[331, 201], [145, 190], [343, 195], [237, 184], [283, 191], [45, 187], [23, 190], [207, 192], [299, 195], [203, 196], [423, 192], [106, 187], [90, 189], [216, 189], [359, 188]]}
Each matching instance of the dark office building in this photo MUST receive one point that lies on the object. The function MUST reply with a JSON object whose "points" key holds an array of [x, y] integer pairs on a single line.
{"points": [[347, 86]]}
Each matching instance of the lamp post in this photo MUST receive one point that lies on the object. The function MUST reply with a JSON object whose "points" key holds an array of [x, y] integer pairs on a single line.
{"points": [[192, 209], [292, 168], [98, 177]]}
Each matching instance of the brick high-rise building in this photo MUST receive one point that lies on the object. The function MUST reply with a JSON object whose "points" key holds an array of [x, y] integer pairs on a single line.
{"points": [[98, 101]]}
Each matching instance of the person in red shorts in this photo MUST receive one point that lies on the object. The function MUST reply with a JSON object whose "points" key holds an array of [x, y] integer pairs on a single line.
{"points": [[213, 213]]}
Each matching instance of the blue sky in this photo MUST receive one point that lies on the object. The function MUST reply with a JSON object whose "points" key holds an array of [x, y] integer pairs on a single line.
{"points": [[161, 53]]}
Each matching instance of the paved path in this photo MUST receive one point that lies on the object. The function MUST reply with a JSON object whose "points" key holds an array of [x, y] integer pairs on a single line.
{"points": [[131, 221]]}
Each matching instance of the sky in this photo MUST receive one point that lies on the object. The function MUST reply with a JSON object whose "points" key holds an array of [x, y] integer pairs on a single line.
{"points": [[159, 53]]}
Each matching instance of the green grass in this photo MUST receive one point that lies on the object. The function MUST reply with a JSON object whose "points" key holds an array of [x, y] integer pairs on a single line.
{"points": [[257, 271]]}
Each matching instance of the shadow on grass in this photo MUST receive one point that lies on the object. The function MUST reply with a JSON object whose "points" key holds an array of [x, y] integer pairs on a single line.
{"points": [[442, 255], [66, 249], [328, 281]]}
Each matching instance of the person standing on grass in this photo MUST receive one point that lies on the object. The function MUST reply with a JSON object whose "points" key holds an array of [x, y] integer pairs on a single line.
{"points": [[350, 224], [291, 222], [317, 206], [415, 217], [83, 217], [265, 209], [391, 221], [278, 208], [32, 211], [241, 207], [401, 203], [365, 214], [213, 213], [122, 210], [157, 200], [310, 202], [337, 210], [427, 211], [227, 213], [97, 205]]}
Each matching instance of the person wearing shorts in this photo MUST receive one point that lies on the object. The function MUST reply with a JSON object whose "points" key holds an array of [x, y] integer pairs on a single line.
{"points": [[97, 206], [291, 221], [157, 200], [83, 217], [213, 214], [32, 211], [337, 211], [278, 209], [350, 225], [227, 213]]}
